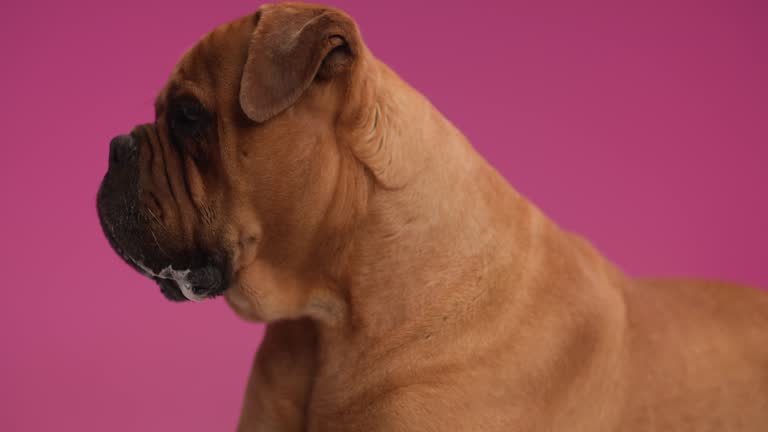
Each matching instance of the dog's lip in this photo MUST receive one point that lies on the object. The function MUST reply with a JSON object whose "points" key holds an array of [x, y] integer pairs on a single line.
{"points": [[170, 290], [174, 284], [195, 284], [180, 279]]}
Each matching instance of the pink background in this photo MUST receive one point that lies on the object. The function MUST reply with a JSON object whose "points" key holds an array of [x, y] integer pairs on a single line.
{"points": [[643, 127]]}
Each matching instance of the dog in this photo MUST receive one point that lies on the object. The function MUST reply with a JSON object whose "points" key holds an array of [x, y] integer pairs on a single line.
{"points": [[405, 285]]}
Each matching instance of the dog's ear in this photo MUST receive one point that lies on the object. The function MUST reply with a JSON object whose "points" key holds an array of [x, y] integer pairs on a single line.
{"points": [[292, 46]]}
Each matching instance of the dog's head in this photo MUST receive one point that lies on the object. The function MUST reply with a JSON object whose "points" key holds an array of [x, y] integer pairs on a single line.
{"points": [[245, 164]]}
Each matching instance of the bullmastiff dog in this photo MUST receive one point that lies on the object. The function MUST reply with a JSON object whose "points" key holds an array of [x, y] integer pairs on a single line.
{"points": [[405, 285]]}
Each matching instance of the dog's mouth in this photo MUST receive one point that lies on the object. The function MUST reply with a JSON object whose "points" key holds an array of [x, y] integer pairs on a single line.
{"points": [[194, 276], [195, 284]]}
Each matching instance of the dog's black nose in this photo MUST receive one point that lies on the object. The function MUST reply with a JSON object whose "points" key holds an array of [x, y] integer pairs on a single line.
{"points": [[121, 149]]}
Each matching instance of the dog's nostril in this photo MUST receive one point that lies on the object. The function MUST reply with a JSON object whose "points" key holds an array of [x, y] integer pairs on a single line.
{"points": [[121, 148]]}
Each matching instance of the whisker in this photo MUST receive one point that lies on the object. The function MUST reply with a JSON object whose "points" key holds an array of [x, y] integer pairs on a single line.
{"points": [[158, 243], [157, 219]]}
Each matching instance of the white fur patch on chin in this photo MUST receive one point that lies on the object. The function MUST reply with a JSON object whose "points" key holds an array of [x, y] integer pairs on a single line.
{"points": [[179, 276]]}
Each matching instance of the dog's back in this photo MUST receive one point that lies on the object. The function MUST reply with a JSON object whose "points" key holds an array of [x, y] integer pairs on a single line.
{"points": [[698, 357]]}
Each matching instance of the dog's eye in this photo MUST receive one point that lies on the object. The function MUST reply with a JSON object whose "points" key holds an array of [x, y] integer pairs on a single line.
{"points": [[191, 112], [187, 116], [190, 127]]}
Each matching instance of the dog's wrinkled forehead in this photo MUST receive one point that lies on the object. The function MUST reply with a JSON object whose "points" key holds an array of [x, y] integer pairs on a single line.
{"points": [[211, 69]]}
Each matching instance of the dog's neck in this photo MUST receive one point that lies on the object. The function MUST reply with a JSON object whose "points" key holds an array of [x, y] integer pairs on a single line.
{"points": [[438, 214]]}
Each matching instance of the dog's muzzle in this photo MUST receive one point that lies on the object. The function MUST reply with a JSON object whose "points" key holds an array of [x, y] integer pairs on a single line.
{"points": [[181, 271]]}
